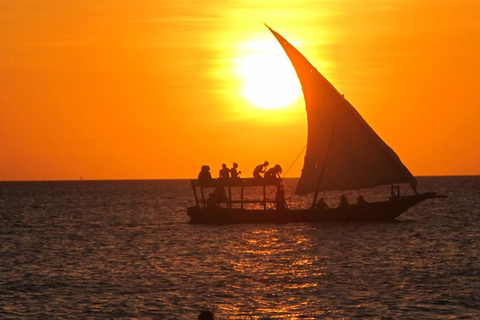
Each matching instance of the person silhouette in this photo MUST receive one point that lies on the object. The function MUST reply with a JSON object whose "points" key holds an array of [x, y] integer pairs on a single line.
{"points": [[273, 173], [204, 175], [224, 172], [212, 201], [343, 201], [321, 204], [206, 315], [220, 195], [260, 169], [234, 174], [361, 200], [280, 203]]}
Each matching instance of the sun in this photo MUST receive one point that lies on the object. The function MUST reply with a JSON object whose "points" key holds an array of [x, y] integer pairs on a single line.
{"points": [[268, 80]]}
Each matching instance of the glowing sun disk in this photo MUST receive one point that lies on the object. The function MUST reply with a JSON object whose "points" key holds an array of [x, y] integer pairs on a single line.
{"points": [[268, 78]]}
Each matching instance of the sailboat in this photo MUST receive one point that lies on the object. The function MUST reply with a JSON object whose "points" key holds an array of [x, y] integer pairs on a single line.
{"points": [[343, 153]]}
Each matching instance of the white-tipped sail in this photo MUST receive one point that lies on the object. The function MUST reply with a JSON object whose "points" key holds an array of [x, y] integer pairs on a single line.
{"points": [[343, 151]]}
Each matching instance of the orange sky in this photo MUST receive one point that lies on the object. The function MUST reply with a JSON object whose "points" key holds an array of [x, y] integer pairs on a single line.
{"points": [[145, 89]]}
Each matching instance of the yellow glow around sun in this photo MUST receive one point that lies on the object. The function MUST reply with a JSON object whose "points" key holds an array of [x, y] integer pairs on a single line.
{"points": [[268, 78]]}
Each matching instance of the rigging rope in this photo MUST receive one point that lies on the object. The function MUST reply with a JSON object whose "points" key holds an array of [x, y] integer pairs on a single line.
{"points": [[286, 171], [295, 160]]}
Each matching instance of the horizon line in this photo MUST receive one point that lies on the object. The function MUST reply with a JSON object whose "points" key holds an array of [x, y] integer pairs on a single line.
{"points": [[164, 179]]}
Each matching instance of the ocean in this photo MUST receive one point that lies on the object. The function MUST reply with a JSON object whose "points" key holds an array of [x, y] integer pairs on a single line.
{"points": [[124, 249]]}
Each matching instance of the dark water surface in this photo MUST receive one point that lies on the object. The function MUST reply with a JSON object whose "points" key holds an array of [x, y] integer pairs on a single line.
{"points": [[113, 249]]}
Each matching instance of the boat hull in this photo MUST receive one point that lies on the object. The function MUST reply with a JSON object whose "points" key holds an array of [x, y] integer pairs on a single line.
{"points": [[367, 212]]}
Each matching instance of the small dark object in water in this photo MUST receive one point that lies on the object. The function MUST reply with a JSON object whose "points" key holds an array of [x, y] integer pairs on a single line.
{"points": [[206, 315]]}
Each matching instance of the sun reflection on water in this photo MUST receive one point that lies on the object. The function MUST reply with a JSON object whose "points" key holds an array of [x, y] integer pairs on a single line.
{"points": [[267, 260]]}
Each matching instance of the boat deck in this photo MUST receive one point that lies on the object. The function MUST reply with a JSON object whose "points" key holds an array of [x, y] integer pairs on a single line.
{"points": [[383, 211], [226, 197], [236, 182]]}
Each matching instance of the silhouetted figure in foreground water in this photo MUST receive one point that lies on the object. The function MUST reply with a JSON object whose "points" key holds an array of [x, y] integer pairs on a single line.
{"points": [[273, 173], [206, 315], [224, 172], [260, 169], [234, 174], [204, 175]]}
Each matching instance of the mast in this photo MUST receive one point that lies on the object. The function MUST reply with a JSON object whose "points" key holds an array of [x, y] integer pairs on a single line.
{"points": [[319, 181]]}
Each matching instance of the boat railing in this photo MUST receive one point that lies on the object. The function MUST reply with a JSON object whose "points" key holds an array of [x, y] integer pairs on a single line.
{"points": [[201, 200], [232, 182]]}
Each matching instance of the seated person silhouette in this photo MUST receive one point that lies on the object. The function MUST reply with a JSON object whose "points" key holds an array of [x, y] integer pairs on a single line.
{"points": [[361, 200], [260, 169], [343, 201], [224, 172], [212, 202], [234, 174], [204, 176], [321, 204], [273, 173], [220, 195]]}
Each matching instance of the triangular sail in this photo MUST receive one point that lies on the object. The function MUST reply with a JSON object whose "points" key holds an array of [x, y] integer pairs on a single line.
{"points": [[343, 151]]}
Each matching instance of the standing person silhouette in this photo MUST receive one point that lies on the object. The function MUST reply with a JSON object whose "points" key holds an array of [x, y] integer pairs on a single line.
{"points": [[280, 203], [260, 169], [224, 172]]}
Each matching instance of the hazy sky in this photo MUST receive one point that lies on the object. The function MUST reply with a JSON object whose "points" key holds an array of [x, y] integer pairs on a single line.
{"points": [[131, 89]]}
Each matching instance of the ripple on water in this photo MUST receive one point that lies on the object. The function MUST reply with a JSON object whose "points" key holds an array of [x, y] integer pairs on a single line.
{"points": [[123, 249]]}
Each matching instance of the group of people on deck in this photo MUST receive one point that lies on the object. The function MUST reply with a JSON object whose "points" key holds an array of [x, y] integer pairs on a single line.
{"points": [[321, 204], [260, 172], [224, 173], [270, 174]]}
